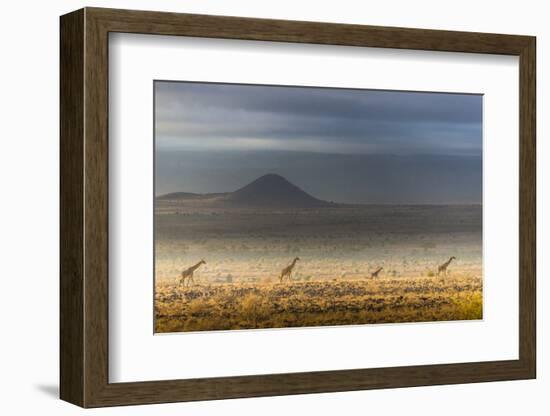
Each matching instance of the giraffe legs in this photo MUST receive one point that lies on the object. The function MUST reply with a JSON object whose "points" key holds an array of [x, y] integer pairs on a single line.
{"points": [[189, 277], [186, 280], [181, 280]]}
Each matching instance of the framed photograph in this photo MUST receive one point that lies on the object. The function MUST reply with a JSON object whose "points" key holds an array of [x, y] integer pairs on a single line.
{"points": [[255, 207]]}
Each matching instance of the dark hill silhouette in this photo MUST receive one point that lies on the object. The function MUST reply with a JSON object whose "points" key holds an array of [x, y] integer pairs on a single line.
{"points": [[274, 190], [267, 191]]}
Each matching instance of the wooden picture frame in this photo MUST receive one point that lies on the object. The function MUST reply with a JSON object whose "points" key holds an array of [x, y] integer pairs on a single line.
{"points": [[84, 207]]}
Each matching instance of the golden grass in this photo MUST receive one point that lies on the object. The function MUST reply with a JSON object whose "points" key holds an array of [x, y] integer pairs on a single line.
{"points": [[316, 303]]}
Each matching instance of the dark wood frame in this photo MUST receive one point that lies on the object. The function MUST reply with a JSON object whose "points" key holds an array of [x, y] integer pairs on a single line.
{"points": [[84, 207]]}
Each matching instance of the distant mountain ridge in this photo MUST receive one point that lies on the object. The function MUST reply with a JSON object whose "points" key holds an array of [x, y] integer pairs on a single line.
{"points": [[268, 191]]}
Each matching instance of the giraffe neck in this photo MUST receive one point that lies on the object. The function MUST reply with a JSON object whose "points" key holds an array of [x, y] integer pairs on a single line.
{"points": [[196, 266]]}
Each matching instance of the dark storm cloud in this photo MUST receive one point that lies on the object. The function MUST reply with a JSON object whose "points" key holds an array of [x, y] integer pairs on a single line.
{"points": [[203, 116], [359, 178]]}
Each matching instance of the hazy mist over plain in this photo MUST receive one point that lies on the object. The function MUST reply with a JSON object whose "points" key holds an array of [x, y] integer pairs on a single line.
{"points": [[341, 145]]}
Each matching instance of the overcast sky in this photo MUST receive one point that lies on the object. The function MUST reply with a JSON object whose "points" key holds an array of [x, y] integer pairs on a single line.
{"points": [[197, 121]]}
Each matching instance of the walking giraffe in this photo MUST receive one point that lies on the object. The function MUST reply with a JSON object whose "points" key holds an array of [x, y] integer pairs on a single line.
{"points": [[286, 272], [443, 267], [188, 274], [375, 274]]}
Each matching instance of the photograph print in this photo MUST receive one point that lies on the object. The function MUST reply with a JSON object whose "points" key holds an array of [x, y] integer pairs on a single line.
{"points": [[289, 206]]}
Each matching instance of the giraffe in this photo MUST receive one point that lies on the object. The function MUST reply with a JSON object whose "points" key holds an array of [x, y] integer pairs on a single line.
{"points": [[188, 274], [286, 272], [375, 274], [443, 267]]}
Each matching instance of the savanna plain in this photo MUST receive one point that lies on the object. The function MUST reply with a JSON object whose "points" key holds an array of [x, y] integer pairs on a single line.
{"points": [[350, 265]]}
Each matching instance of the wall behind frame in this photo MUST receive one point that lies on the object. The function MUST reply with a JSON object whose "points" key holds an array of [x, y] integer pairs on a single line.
{"points": [[29, 169]]}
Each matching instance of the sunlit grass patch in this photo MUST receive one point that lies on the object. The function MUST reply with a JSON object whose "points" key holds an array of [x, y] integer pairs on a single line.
{"points": [[316, 303]]}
